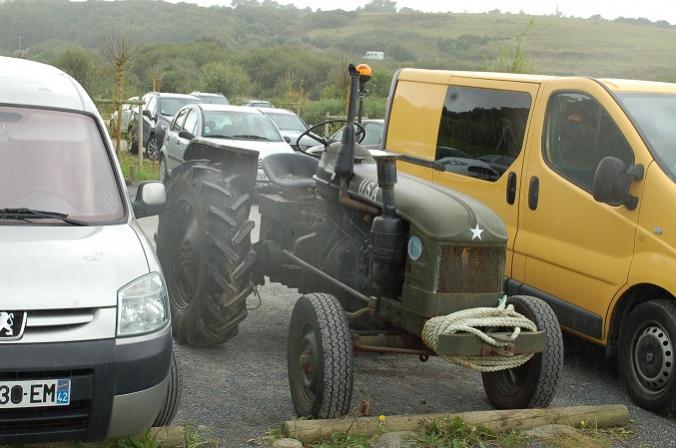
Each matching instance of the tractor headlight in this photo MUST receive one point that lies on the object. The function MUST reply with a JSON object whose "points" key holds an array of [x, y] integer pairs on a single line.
{"points": [[142, 306]]}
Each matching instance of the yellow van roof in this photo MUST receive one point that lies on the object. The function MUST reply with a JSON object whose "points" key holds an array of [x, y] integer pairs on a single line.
{"points": [[441, 76], [628, 85], [617, 85]]}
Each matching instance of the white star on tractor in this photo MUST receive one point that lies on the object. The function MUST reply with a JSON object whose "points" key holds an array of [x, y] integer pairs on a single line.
{"points": [[476, 232]]}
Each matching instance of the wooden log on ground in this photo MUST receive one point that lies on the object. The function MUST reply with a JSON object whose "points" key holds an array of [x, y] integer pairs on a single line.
{"points": [[513, 419]]}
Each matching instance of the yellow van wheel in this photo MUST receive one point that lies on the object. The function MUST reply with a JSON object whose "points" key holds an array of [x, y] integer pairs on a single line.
{"points": [[646, 355]]}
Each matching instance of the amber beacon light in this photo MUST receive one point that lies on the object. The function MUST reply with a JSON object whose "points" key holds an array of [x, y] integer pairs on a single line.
{"points": [[364, 70]]}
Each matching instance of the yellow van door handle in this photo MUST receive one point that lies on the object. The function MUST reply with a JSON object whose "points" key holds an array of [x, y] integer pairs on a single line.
{"points": [[533, 192], [511, 188]]}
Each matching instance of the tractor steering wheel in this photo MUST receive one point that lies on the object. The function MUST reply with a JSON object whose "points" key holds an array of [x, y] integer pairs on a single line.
{"points": [[359, 136]]}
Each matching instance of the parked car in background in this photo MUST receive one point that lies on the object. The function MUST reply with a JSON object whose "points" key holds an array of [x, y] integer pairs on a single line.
{"points": [[291, 126], [159, 109], [85, 331], [211, 98], [372, 139], [374, 133], [127, 114], [235, 126], [258, 103]]}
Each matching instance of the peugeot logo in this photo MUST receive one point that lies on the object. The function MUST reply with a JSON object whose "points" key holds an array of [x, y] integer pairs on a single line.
{"points": [[12, 324]]}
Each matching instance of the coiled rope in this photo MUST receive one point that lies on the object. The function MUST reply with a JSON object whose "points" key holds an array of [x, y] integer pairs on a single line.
{"points": [[475, 320]]}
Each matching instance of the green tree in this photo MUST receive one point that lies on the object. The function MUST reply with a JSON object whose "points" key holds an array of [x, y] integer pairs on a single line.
{"points": [[79, 63], [380, 6], [512, 58], [379, 86], [180, 76], [399, 53], [229, 79]]}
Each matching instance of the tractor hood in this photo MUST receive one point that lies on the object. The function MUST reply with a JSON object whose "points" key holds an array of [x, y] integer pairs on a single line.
{"points": [[53, 266], [439, 213]]}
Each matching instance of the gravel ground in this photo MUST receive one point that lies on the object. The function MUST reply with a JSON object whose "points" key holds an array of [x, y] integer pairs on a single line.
{"points": [[239, 390]]}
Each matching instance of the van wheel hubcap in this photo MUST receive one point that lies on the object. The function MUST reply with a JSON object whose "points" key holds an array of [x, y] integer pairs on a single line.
{"points": [[653, 358]]}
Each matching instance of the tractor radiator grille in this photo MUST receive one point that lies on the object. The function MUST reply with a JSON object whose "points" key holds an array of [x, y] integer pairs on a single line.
{"points": [[470, 269]]}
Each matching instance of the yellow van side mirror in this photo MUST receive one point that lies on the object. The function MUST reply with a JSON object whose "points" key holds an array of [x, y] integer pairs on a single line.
{"points": [[612, 181]]}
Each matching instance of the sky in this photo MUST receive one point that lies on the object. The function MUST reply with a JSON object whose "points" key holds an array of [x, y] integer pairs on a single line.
{"points": [[610, 9]]}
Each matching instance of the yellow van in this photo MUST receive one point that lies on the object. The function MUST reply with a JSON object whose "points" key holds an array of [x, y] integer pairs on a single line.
{"points": [[582, 172]]}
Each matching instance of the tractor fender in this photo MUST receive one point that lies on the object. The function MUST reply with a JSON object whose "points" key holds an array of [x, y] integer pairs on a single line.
{"points": [[237, 160]]}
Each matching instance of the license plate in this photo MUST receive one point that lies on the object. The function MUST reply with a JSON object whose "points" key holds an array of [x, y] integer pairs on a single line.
{"points": [[35, 393]]}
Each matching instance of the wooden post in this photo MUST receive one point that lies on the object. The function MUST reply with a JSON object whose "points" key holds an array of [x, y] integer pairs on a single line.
{"points": [[118, 128], [326, 126], [139, 132], [308, 431]]}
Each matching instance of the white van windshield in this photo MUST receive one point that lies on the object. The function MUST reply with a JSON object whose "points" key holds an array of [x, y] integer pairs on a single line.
{"points": [[55, 162], [655, 116]]}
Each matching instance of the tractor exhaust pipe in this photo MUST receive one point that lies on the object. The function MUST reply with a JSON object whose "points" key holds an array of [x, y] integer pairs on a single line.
{"points": [[345, 163], [344, 167]]}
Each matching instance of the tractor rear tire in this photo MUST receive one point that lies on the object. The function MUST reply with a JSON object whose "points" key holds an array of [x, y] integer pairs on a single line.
{"points": [[204, 246], [320, 357], [533, 384]]}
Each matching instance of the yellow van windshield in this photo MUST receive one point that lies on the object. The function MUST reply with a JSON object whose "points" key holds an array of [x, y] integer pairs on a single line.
{"points": [[654, 114]]}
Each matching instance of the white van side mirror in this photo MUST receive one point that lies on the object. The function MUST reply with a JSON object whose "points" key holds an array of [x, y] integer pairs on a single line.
{"points": [[150, 199]]}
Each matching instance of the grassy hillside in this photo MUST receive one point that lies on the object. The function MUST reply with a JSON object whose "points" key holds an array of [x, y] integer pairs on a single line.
{"points": [[553, 45]]}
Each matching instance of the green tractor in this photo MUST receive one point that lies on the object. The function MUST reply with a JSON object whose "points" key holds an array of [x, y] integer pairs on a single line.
{"points": [[384, 263]]}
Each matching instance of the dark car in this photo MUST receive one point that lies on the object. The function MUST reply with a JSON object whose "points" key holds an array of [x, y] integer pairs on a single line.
{"points": [[374, 133], [158, 111], [372, 139]]}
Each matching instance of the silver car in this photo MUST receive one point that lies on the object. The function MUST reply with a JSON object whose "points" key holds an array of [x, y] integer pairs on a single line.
{"points": [[85, 334], [291, 126], [234, 126]]}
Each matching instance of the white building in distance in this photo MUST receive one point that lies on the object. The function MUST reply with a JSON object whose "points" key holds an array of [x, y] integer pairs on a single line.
{"points": [[377, 55]]}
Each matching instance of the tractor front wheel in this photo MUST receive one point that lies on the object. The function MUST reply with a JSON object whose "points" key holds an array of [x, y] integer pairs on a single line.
{"points": [[533, 384], [320, 357]]}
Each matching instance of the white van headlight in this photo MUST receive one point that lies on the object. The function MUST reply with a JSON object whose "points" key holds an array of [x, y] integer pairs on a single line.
{"points": [[142, 305]]}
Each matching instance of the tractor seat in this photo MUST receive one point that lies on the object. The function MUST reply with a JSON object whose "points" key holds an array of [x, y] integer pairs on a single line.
{"points": [[290, 170]]}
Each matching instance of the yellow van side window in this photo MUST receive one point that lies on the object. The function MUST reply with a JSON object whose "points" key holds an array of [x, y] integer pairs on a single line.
{"points": [[578, 134], [482, 130]]}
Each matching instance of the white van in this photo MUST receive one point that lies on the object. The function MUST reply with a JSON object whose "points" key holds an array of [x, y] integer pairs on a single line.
{"points": [[85, 334]]}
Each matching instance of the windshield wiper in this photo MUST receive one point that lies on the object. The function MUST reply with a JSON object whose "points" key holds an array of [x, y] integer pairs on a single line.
{"points": [[27, 214], [251, 137]]}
